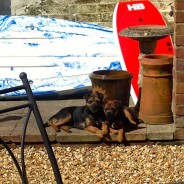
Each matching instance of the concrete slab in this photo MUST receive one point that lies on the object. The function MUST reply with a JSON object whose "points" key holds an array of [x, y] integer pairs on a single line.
{"points": [[76, 136], [8, 104], [77, 102], [7, 125], [11, 125], [32, 132], [137, 135], [161, 132]]}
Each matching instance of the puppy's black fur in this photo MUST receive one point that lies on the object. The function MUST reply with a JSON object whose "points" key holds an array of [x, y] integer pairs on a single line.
{"points": [[89, 117], [119, 117]]}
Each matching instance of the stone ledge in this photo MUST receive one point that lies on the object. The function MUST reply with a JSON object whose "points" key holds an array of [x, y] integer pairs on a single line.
{"points": [[137, 135], [11, 128], [161, 132], [84, 136], [76, 136]]}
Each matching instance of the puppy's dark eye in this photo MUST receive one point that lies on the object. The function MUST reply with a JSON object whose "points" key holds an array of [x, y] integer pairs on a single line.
{"points": [[114, 108]]}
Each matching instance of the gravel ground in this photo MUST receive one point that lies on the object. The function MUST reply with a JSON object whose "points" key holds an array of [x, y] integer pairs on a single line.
{"points": [[99, 165]]}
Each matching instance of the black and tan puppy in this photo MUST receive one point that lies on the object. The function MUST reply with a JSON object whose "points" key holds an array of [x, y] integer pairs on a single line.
{"points": [[89, 117], [120, 118]]}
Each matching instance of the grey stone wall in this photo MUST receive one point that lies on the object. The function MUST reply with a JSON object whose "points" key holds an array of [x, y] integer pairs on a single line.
{"points": [[93, 11]]}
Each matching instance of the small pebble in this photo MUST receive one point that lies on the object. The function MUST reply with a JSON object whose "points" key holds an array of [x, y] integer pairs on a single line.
{"points": [[101, 165]]}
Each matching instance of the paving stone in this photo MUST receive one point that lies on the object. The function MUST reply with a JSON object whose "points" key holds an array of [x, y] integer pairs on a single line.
{"points": [[8, 104], [84, 136], [76, 136], [11, 125], [134, 135], [160, 132], [7, 125], [78, 102], [32, 133], [137, 135], [142, 125], [51, 106]]}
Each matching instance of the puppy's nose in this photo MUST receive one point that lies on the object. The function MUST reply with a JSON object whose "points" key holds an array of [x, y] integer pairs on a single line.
{"points": [[108, 113], [95, 105]]}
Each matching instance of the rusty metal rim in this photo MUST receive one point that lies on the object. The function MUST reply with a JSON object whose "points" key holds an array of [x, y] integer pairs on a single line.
{"points": [[110, 75]]}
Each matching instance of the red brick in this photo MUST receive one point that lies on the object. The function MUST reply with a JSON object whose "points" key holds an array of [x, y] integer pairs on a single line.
{"points": [[179, 121], [179, 29], [178, 87], [179, 100], [179, 110], [179, 40], [179, 4], [179, 52], [178, 64], [179, 17], [178, 76], [179, 133]]}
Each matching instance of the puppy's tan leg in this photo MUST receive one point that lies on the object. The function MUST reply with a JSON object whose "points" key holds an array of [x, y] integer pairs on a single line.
{"points": [[56, 123], [52, 124], [104, 128], [120, 135], [66, 129], [130, 116], [94, 130], [113, 131]]}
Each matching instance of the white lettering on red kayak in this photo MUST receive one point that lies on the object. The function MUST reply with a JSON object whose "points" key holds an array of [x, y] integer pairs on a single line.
{"points": [[139, 6]]}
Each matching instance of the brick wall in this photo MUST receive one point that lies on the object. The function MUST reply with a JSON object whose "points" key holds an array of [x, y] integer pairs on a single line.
{"points": [[178, 69], [93, 11]]}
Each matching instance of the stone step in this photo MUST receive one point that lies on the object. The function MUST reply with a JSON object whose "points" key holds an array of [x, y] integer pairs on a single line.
{"points": [[11, 126]]}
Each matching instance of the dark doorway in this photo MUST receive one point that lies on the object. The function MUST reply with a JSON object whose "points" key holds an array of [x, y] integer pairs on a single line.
{"points": [[5, 7]]}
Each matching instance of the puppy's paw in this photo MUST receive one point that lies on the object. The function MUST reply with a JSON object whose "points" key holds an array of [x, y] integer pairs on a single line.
{"points": [[133, 126], [94, 130], [113, 131], [56, 128], [140, 120], [119, 137], [133, 122], [105, 129], [99, 134], [66, 129]]}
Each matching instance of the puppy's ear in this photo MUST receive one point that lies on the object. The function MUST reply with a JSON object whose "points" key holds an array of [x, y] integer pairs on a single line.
{"points": [[100, 96], [103, 103], [86, 96], [118, 104]]}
